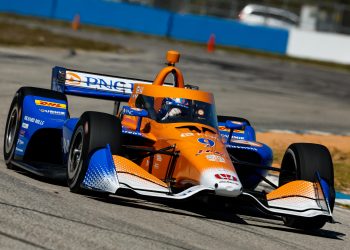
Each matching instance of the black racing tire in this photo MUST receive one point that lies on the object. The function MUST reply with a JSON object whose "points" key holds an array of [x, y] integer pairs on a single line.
{"points": [[14, 118], [93, 131], [301, 161]]}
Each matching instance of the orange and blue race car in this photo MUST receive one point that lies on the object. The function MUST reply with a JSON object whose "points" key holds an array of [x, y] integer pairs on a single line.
{"points": [[167, 142]]}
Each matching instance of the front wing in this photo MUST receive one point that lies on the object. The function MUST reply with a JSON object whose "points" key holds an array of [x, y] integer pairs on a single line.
{"points": [[109, 173]]}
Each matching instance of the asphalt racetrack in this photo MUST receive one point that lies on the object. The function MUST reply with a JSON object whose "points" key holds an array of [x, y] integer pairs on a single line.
{"points": [[39, 214]]}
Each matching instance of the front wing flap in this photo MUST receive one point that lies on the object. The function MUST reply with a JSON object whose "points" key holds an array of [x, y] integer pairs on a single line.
{"points": [[297, 198], [107, 173]]}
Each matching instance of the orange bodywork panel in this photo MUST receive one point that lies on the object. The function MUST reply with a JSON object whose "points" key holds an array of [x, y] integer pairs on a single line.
{"points": [[292, 189], [189, 138], [124, 166]]}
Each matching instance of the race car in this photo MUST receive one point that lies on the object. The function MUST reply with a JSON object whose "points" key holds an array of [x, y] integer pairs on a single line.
{"points": [[166, 142]]}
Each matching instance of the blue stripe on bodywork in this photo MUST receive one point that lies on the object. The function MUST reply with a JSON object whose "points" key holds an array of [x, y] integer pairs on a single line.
{"points": [[101, 174]]}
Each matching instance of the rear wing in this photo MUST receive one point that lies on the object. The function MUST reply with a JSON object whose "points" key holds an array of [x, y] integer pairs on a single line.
{"points": [[74, 82]]}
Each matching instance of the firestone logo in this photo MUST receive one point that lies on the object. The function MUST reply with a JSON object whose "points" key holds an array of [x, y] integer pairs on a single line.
{"points": [[225, 177]]}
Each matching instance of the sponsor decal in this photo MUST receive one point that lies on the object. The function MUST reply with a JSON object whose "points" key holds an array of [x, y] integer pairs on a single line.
{"points": [[25, 125], [51, 104], [20, 142], [228, 177], [131, 132], [224, 129], [139, 90], [34, 120], [159, 158], [207, 142], [242, 147], [104, 83], [250, 143], [187, 134], [52, 112], [19, 150], [72, 78], [225, 136], [215, 158], [209, 151]]}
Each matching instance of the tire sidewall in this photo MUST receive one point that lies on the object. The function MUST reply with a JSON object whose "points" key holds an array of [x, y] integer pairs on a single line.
{"points": [[297, 161], [16, 103], [94, 126]]}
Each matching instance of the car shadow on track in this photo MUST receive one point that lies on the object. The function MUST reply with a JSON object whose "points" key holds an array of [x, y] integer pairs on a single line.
{"points": [[58, 182], [237, 212], [216, 211]]}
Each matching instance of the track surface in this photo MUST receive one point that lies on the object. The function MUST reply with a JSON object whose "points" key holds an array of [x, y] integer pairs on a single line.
{"points": [[38, 214]]}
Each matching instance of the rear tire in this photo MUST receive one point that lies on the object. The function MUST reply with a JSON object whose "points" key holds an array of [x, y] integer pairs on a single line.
{"points": [[301, 161], [93, 131], [13, 124], [14, 118]]}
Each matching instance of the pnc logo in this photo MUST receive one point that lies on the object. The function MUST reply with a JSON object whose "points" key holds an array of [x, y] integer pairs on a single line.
{"points": [[225, 177], [50, 104], [72, 78]]}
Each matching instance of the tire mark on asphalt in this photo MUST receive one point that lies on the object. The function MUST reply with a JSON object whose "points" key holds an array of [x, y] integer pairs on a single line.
{"points": [[23, 240], [165, 241]]}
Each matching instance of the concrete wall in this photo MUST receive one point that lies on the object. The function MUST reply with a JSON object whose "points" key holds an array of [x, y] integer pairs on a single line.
{"points": [[321, 46]]}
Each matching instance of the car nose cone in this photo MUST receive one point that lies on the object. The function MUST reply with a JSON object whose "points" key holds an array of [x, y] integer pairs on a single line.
{"points": [[224, 182]]}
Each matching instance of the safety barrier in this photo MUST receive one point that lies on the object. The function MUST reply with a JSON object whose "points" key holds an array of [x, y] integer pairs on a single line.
{"points": [[138, 18], [41, 8], [229, 33]]}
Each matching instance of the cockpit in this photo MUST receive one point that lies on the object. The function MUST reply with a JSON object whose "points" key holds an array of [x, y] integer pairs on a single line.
{"points": [[178, 110]]}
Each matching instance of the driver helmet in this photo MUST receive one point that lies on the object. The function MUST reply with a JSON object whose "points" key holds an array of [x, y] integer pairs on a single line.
{"points": [[170, 103]]}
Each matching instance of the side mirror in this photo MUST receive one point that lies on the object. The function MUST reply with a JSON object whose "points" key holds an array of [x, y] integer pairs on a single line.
{"points": [[235, 125], [232, 125], [134, 111]]}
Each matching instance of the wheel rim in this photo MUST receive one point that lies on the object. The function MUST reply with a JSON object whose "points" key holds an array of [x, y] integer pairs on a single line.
{"points": [[11, 130], [75, 154]]}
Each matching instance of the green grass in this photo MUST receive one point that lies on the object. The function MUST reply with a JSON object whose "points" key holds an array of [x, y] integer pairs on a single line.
{"points": [[344, 206], [12, 34]]}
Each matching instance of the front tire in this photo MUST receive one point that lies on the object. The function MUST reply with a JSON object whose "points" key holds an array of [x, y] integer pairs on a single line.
{"points": [[302, 161], [93, 131]]}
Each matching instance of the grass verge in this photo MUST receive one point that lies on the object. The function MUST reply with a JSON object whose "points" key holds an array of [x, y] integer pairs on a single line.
{"points": [[12, 34], [112, 31]]}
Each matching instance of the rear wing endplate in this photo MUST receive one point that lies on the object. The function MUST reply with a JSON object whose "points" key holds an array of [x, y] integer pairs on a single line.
{"points": [[80, 83]]}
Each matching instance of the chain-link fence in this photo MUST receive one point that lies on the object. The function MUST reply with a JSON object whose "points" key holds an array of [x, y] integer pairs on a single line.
{"points": [[326, 15]]}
